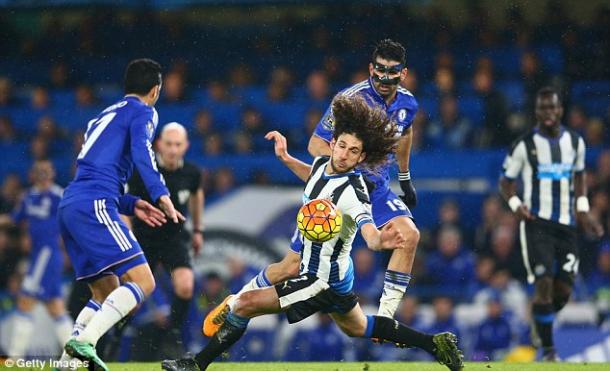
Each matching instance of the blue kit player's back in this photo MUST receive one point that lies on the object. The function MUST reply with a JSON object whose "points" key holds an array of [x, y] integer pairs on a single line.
{"points": [[119, 137], [99, 243]]}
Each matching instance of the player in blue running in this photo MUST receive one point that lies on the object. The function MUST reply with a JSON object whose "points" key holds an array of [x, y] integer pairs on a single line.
{"points": [[387, 69], [102, 249], [38, 211]]}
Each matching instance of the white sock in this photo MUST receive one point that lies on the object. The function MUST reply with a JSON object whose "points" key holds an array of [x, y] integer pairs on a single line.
{"points": [[116, 306], [81, 322], [23, 327], [394, 288], [63, 328], [84, 317], [258, 282]]}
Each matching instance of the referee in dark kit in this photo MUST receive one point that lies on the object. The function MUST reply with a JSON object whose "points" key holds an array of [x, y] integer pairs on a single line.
{"points": [[169, 244]]}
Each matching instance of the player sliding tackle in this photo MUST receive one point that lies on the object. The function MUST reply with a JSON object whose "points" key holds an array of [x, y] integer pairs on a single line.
{"points": [[363, 137]]}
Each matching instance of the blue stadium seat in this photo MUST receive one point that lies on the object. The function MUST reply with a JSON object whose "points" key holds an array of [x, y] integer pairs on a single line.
{"points": [[284, 115], [551, 58], [25, 118], [182, 113], [506, 61], [513, 93], [472, 108], [62, 98], [226, 115]]}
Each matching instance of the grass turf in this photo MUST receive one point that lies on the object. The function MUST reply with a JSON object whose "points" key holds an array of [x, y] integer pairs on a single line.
{"points": [[358, 366], [361, 366]]}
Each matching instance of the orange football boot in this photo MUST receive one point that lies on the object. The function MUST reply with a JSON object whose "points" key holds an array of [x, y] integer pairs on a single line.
{"points": [[216, 317]]}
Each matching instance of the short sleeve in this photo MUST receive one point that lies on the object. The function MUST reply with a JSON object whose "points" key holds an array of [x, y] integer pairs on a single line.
{"points": [[580, 156], [514, 161], [350, 204]]}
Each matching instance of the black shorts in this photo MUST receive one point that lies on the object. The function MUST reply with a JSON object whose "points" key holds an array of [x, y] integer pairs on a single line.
{"points": [[170, 253], [549, 250], [305, 295]]}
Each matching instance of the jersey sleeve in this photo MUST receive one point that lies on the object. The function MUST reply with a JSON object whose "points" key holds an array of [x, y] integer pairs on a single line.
{"points": [[359, 210], [514, 161], [410, 113], [142, 132], [579, 166], [325, 127], [18, 214], [127, 204], [197, 180]]}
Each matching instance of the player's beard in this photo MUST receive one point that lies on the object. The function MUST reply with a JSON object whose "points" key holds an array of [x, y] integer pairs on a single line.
{"points": [[338, 170]]}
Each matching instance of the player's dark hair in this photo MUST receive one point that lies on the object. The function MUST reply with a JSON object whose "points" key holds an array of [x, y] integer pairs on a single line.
{"points": [[352, 115], [390, 50], [548, 91], [142, 75]]}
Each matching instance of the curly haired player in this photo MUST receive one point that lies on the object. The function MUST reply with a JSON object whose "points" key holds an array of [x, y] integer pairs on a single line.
{"points": [[363, 136]]}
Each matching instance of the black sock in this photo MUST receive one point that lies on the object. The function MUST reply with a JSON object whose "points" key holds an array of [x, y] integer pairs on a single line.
{"points": [[544, 316], [391, 330], [226, 336], [179, 311], [559, 303]]}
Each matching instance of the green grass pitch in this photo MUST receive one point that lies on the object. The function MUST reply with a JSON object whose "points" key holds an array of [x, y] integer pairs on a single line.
{"points": [[363, 366]]}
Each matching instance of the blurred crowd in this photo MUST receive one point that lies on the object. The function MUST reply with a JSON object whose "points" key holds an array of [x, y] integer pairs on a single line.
{"points": [[475, 86]]}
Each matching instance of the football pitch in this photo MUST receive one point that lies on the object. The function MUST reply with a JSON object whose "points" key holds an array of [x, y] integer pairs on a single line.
{"points": [[362, 366]]}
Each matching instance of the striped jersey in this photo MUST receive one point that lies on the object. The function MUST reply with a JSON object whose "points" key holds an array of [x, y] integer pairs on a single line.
{"points": [[547, 167], [402, 112], [330, 261], [116, 140]]}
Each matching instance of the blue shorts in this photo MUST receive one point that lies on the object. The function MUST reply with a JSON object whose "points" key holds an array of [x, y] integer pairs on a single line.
{"points": [[97, 240], [387, 206], [43, 279]]}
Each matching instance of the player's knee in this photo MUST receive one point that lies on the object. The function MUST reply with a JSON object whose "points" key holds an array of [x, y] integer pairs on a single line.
{"points": [[56, 308], [183, 283], [543, 290], [184, 290], [409, 231], [25, 303], [148, 285]]}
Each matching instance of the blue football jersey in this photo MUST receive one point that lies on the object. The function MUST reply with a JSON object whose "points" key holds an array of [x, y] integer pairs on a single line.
{"points": [[119, 137], [39, 209], [402, 111]]}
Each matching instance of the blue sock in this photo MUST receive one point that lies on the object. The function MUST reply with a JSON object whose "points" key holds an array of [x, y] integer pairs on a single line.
{"points": [[397, 280], [262, 280], [237, 320], [370, 324]]}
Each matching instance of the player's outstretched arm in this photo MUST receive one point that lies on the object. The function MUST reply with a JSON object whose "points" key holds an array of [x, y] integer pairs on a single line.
{"points": [[389, 238], [403, 155], [298, 167]]}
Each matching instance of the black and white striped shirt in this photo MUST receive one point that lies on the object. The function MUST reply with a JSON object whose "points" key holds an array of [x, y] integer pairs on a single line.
{"points": [[330, 261], [547, 167]]}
